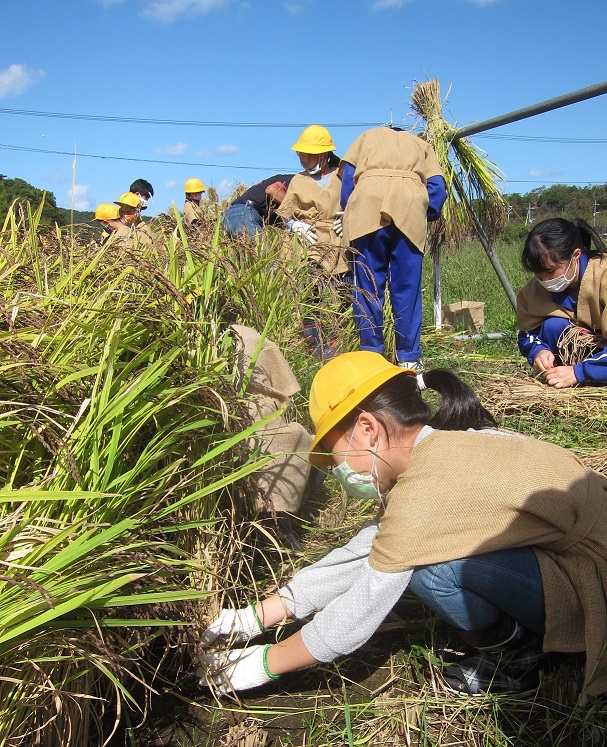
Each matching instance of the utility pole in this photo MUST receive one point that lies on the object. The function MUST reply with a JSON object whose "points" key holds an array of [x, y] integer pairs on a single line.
{"points": [[529, 218], [508, 212], [595, 212]]}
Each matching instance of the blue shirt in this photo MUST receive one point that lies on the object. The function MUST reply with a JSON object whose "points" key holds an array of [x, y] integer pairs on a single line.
{"points": [[592, 369]]}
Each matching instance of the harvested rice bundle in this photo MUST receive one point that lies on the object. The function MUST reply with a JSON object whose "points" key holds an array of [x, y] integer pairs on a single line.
{"points": [[474, 200]]}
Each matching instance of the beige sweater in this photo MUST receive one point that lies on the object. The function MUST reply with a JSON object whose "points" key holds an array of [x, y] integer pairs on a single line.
{"points": [[192, 213], [535, 304], [392, 169], [466, 493], [305, 200]]}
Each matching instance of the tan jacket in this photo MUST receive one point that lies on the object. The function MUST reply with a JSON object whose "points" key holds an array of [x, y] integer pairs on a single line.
{"points": [[192, 213], [120, 236], [534, 303], [305, 200], [468, 492], [142, 234], [392, 169]]}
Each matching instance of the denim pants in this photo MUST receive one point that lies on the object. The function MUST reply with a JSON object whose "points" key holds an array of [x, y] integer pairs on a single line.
{"points": [[242, 217], [470, 593]]}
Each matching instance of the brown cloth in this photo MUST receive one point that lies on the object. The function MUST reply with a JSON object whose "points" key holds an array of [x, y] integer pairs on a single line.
{"points": [[192, 213], [307, 201], [468, 492], [534, 303], [272, 383], [392, 169], [142, 234], [120, 236]]}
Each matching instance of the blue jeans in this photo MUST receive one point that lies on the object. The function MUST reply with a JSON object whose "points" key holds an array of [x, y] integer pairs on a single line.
{"points": [[242, 217], [470, 593]]}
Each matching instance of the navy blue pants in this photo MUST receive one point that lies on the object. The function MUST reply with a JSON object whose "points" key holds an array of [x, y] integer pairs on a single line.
{"points": [[387, 257]]}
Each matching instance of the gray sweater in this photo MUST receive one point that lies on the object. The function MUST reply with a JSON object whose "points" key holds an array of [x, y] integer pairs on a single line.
{"points": [[349, 597]]}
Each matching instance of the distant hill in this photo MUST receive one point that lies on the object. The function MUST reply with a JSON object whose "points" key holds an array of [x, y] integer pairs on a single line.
{"points": [[76, 216], [18, 189]]}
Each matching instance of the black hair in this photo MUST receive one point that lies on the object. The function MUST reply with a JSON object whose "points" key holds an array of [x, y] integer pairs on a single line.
{"points": [[142, 186], [400, 398], [553, 241], [333, 160]]}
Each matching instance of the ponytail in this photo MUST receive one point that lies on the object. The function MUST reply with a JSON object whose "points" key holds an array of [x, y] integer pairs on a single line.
{"points": [[400, 398], [460, 408]]}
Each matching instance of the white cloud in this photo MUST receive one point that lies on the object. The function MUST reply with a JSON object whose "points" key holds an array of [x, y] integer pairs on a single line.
{"points": [[169, 10], [171, 184], [56, 177], [77, 197], [387, 4], [294, 9], [539, 173], [172, 150], [16, 79], [225, 188], [227, 148]]}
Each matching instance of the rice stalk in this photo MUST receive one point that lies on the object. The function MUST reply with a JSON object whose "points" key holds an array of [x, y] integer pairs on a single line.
{"points": [[473, 197]]}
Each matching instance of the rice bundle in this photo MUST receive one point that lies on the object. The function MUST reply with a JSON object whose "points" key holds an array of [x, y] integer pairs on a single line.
{"points": [[473, 200], [504, 395], [577, 343]]}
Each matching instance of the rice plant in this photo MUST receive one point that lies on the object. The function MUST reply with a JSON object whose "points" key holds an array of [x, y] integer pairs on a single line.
{"points": [[124, 489]]}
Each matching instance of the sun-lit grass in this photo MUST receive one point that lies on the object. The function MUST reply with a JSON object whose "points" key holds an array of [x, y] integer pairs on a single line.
{"points": [[127, 498]]}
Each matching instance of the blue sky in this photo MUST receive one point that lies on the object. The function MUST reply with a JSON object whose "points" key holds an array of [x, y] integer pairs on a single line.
{"points": [[287, 62]]}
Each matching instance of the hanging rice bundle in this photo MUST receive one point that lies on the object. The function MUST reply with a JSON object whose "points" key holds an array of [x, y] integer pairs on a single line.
{"points": [[473, 200]]}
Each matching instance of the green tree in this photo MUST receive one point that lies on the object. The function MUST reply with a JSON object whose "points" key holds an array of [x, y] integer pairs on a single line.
{"points": [[22, 192]]}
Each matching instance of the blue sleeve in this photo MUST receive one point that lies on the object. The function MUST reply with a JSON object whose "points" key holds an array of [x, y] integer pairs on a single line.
{"points": [[347, 184], [530, 344], [592, 370], [437, 194]]}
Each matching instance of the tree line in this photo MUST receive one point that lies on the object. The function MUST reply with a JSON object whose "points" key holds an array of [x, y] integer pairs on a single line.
{"points": [[558, 200]]}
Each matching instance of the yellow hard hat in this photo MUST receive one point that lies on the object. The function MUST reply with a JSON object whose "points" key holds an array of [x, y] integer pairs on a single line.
{"points": [[128, 199], [107, 211], [339, 386], [194, 185], [314, 139]]}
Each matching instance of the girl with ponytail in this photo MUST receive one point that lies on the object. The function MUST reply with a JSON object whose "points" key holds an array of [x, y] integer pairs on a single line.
{"points": [[502, 536]]}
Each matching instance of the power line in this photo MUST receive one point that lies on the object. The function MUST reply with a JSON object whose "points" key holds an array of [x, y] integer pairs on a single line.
{"points": [[176, 122], [539, 139], [274, 169], [202, 123]]}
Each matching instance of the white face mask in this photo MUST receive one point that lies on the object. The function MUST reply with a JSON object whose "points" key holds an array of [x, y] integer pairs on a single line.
{"points": [[314, 170], [143, 203], [560, 282], [354, 483]]}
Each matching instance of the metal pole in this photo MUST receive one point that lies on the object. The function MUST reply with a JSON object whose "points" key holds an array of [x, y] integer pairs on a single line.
{"points": [[545, 106], [529, 111]]}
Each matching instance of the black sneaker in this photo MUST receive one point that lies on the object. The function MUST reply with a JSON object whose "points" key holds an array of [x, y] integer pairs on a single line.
{"points": [[496, 672]]}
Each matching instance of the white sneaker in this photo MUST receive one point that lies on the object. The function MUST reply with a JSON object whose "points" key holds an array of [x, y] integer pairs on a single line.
{"points": [[416, 366]]}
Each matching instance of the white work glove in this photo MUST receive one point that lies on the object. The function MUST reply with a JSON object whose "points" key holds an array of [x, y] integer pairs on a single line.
{"points": [[237, 669], [239, 625], [305, 232], [338, 223]]}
